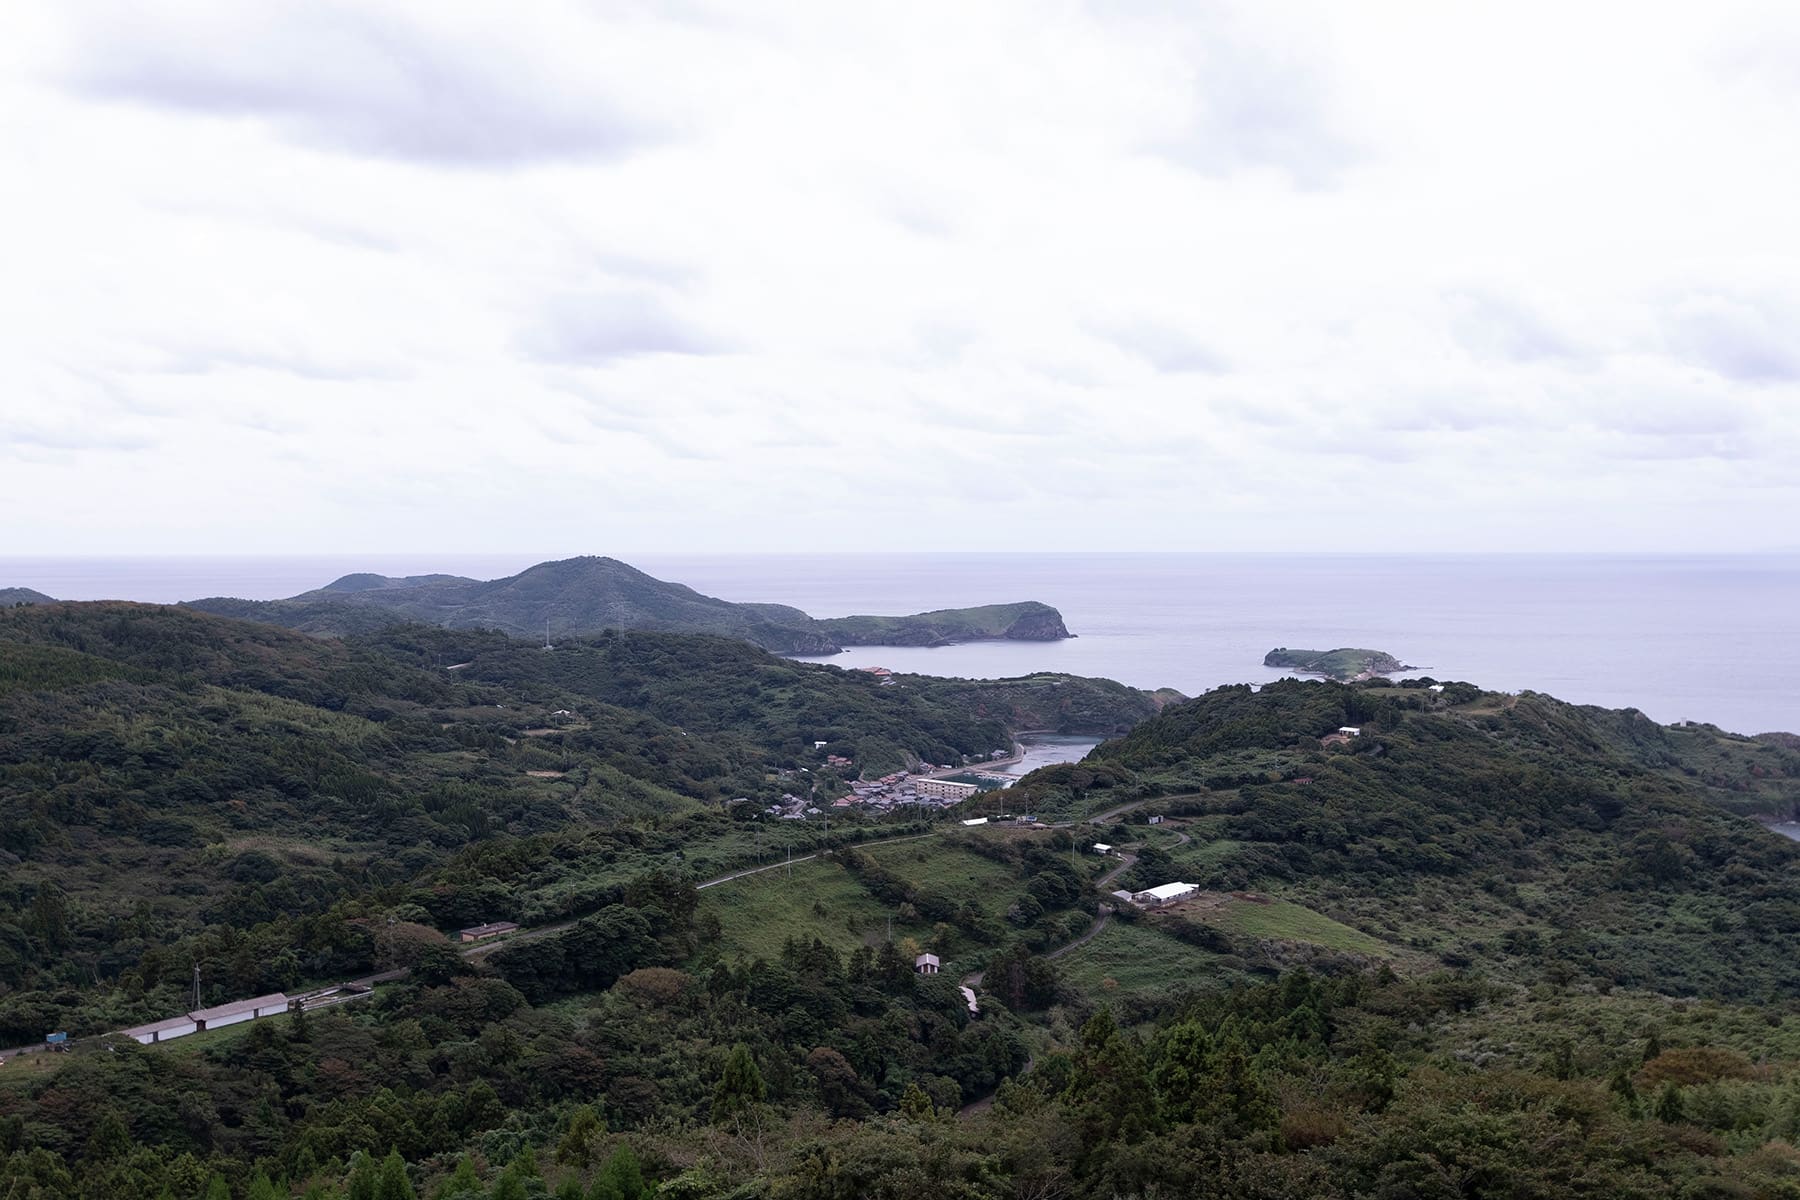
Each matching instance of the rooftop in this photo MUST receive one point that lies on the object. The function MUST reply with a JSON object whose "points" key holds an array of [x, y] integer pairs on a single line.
{"points": [[158, 1026], [272, 1000]]}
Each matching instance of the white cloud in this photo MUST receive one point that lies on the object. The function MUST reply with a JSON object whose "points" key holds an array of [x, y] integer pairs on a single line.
{"points": [[623, 277]]}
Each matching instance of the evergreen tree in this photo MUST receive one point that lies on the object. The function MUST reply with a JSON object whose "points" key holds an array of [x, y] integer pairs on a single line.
{"points": [[391, 1182], [216, 1189], [622, 1177], [1669, 1107], [110, 1139], [740, 1084], [460, 1183], [362, 1177], [577, 1143]]}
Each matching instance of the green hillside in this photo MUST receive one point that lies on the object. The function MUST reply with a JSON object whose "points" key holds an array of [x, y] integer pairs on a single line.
{"points": [[1494, 946], [174, 784]]}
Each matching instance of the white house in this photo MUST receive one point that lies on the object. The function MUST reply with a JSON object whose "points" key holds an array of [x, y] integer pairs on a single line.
{"points": [[238, 1011], [976, 821], [1165, 893], [1350, 730], [1102, 848], [926, 964], [161, 1031], [1154, 821]]}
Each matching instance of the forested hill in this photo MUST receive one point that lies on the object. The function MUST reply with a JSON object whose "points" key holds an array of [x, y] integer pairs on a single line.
{"points": [[582, 596], [1491, 947], [1514, 832], [13, 595], [164, 770]]}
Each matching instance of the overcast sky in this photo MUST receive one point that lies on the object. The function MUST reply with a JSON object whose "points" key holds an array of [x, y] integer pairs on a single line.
{"points": [[614, 278]]}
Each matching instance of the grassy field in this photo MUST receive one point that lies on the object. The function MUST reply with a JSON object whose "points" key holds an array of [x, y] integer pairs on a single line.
{"points": [[814, 899], [1135, 958], [1283, 920], [821, 899]]}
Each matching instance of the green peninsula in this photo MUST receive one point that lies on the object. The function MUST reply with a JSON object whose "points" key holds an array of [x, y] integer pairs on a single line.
{"points": [[578, 597], [1342, 664]]}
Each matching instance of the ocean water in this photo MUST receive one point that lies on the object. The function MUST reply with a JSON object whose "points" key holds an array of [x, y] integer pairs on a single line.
{"points": [[1704, 638]]}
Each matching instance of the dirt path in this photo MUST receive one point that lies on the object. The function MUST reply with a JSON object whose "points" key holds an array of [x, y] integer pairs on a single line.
{"points": [[482, 949]]}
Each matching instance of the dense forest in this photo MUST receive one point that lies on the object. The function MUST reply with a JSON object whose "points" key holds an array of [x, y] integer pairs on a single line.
{"points": [[1489, 946]]}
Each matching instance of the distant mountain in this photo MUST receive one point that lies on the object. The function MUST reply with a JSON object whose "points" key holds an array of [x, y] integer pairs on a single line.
{"points": [[12, 596], [579, 596]]}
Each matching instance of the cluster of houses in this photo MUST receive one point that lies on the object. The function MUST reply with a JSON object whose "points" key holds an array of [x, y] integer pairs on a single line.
{"points": [[792, 808], [903, 788]]}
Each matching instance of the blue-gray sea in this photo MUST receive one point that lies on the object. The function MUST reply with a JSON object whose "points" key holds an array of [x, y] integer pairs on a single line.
{"points": [[1701, 638]]}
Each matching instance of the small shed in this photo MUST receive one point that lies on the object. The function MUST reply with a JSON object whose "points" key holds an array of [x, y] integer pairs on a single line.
{"points": [[976, 821], [1102, 848], [927, 964], [1154, 821], [1350, 730], [481, 933]]}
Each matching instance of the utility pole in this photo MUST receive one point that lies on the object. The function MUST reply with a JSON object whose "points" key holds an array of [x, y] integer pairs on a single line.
{"points": [[196, 986]]}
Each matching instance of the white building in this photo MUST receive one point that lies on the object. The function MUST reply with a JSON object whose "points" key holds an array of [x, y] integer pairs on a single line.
{"points": [[1166, 893], [238, 1011], [1154, 821], [161, 1031], [976, 821], [1350, 730], [1102, 848], [926, 964], [944, 789]]}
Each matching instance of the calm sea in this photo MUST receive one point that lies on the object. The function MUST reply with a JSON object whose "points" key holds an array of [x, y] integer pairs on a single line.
{"points": [[1682, 638]]}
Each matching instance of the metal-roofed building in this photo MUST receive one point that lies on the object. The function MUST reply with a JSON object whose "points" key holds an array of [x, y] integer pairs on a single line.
{"points": [[161, 1031], [238, 1011], [1165, 893]]}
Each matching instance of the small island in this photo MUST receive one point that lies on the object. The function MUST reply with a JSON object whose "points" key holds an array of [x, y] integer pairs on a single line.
{"points": [[1343, 664]]}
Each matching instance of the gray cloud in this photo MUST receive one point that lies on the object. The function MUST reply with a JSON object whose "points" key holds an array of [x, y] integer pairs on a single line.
{"points": [[1737, 339], [348, 77], [213, 359], [1254, 101], [1163, 346], [1495, 327], [18, 437], [596, 328]]}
